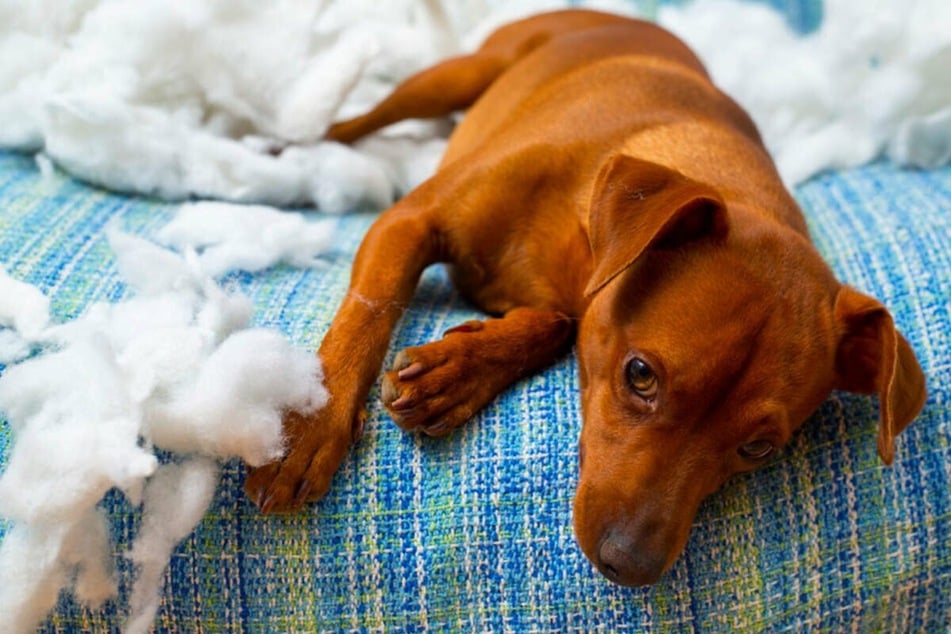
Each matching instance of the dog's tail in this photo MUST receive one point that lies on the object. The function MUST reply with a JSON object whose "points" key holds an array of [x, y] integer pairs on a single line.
{"points": [[456, 83]]}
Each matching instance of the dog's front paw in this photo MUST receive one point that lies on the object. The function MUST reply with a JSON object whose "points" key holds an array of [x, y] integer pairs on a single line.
{"points": [[416, 393], [438, 387], [317, 445]]}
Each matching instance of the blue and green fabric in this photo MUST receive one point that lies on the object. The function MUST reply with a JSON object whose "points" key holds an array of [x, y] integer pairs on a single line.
{"points": [[472, 533]]}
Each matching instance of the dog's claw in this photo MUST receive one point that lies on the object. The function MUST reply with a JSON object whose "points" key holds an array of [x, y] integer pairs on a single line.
{"points": [[403, 403], [411, 372], [254, 490], [473, 325], [303, 490], [439, 429], [268, 504], [359, 426]]}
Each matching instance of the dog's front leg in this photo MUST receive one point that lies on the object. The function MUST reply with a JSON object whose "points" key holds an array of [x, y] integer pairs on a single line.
{"points": [[400, 244]]}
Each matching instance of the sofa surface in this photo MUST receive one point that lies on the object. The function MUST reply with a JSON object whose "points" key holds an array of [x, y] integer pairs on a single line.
{"points": [[473, 532]]}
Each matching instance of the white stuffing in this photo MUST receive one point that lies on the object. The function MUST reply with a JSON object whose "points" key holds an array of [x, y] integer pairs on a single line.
{"points": [[235, 402], [873, 79], [24, 315], [22, 306], [175, 367], [75, 439], [229, 100], [13, 347], [246, 237], [37, 560], [45, 165], [175, 501], [173, 98]]}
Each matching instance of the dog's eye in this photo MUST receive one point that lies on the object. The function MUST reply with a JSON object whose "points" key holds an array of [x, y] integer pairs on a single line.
{"points": [[757, 449], [641, 378]]}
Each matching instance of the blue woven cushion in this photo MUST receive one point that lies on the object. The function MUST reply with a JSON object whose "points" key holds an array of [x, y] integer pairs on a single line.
{"points": [[473, 532]]}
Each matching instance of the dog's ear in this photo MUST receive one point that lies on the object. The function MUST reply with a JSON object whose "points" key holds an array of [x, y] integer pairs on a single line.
{"points": [[872, 357], [637, 204]]}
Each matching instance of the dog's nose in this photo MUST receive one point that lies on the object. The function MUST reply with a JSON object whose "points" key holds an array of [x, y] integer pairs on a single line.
{"points": [[623, 563]]}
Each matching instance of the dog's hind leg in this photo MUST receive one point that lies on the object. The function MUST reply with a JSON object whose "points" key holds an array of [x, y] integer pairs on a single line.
{"points": [[441, 90], [456, 83]]}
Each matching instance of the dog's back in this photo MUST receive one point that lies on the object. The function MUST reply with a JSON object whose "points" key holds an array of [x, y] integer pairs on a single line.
{"points": [[545, 125], [620, 79], [541, 71]]}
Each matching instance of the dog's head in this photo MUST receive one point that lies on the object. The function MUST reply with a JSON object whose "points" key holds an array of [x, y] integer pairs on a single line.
{"points": [[706, 343]]}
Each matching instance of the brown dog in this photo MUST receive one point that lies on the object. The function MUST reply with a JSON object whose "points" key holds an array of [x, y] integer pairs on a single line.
{"points": [[600, 185]]}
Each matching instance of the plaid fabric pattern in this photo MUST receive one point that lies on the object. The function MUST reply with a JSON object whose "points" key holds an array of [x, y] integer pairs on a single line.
{"points": [[473, 532]]}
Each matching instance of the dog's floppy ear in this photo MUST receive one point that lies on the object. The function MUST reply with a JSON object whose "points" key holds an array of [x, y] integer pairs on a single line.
{"points": [[873, 357], [637, 204]]}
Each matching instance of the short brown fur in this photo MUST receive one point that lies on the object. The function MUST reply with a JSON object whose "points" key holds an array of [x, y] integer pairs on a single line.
{"points": [[601, 189]]}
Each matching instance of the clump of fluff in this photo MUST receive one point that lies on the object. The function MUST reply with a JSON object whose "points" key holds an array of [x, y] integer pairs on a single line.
{"points": [[156, 98], [871, 80], [177, 367]]}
